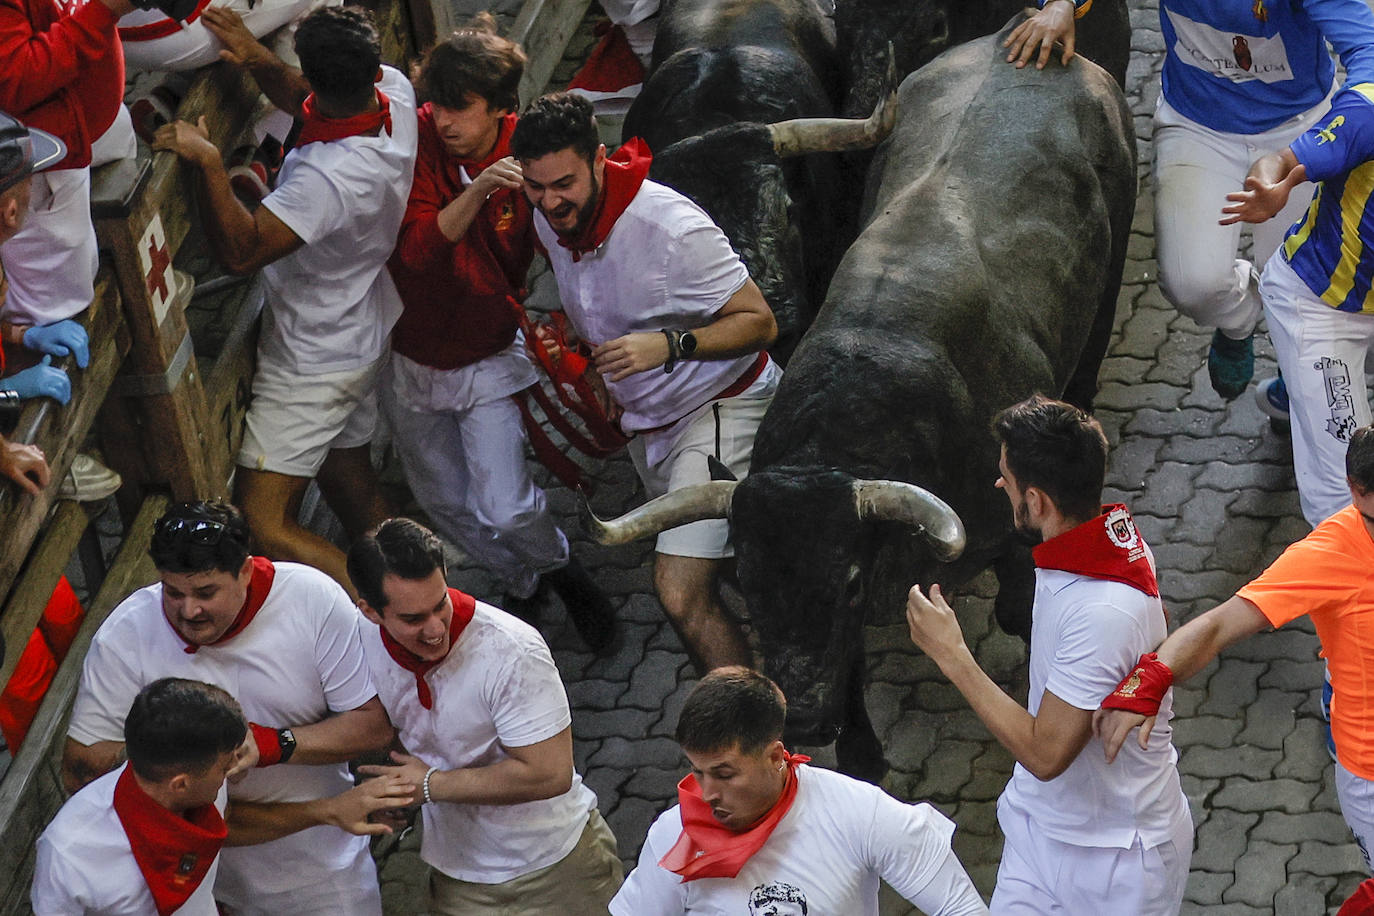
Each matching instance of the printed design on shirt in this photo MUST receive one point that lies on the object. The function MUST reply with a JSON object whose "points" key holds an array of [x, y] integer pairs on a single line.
{"points": [[777, 898], [1228, 55], [1261, 14], [1336, 383], [1328, 133], [506, 218], [1122, 532]]}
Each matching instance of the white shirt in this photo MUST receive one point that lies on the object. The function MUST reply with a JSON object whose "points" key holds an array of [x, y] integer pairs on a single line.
{"points": [[423, 388], [85, 865], [297, 662], [497, 688], [1086, 635], [838, 838], [664, 265], [331, 302]]}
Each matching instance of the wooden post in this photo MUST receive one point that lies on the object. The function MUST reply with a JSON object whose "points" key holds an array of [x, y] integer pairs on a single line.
{"points": [[543, 29]]}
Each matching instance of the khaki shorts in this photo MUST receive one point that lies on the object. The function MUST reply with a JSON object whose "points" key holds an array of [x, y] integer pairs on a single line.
{"points": [[582, 883], [723, 429], [295, 420]]}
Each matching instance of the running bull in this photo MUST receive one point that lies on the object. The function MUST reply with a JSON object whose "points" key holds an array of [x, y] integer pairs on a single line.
{"points": [[994, 234], [722, 72]]}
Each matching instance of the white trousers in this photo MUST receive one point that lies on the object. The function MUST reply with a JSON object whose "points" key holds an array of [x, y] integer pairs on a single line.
{"points": [[51, 261], [1356, 796], [1194, 169], [1040, 876], [193, 46], [466, 468], [1321, 352]]}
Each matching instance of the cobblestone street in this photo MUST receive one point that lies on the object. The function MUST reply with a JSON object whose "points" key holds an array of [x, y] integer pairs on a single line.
{"points": [[1211, 486]]}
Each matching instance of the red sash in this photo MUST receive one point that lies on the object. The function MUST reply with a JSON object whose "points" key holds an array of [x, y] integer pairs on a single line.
{"points": [[625, 172], [463, 607], [174, 852], [258, 588], [318, 128], [1108, 547], [706, 848]]}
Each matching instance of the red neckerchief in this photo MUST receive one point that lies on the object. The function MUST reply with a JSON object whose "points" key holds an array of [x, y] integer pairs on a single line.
{"points": [[258, 587], [625, 172], [318, 128], [1108, 547], [706, 848], [174, 852], [463, 607]]}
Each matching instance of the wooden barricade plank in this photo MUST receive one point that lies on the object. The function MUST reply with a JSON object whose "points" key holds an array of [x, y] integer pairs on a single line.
{"points": [[30, 793], [60, 431], [41, 573], [543, 29], [229, 380]]}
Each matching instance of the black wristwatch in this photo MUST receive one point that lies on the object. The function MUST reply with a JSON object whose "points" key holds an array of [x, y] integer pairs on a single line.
{"points": [[686, 345], [288, 743]]}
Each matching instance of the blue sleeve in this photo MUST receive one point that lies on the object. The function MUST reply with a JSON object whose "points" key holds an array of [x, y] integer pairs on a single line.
{"points": [[1343, 138], [1349, 26]]}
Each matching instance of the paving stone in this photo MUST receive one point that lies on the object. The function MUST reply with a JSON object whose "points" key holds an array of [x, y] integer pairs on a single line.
{"points": [[646, 752], [1280, 827], [654, 678], [1302, 894], [629, 723], [1212, 731], [630, 823], [606, 783], [1222, 840], [1260, 873], [592, 693], [1206, 888], [1270, 719], [1304, 751], [1253, 762], [1232, 689], [948, 770], [1318, 858], [1289, 795], [654, 783]]}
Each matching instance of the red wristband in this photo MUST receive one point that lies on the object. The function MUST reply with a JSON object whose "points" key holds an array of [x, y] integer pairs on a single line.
{"points": [[269, 744], [1143, 689]]}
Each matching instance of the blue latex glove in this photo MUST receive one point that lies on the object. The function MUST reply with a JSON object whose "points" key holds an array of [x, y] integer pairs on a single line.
{"points": [[40, 381], [61, 338]]}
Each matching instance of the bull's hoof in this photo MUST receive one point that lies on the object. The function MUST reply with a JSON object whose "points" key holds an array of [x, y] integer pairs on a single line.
{"points": [[858, 753]]}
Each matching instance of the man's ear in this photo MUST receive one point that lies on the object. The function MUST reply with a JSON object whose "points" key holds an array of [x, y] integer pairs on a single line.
{"points": [[179, 783], [245, 573], [369, 611], [599, 163], [9, 216]]}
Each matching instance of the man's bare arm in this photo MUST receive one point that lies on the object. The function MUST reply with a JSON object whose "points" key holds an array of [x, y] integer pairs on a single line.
{"points": [[284, 86], [531, 773], [257, 822], [84, 763], [343, 736], [1271, 179]]}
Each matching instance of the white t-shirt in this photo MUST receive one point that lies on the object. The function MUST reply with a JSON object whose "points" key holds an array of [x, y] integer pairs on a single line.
{"points": [[664, 265], [497, 688], [86, 868], [297, 662], [838, 838], [1086, 635], [331, 302]]}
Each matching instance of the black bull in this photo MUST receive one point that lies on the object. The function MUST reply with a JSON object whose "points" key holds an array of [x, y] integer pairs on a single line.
{"points": [[994, 234]]}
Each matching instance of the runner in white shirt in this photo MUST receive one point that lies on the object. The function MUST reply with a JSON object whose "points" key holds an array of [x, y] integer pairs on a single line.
{"points": [[1081, 837], [283, 639], [509, 825], [146, 838], [767, 834], [322, 239], [678, 330]]}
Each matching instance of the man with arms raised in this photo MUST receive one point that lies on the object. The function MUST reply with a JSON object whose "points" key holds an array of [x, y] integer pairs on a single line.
{"points": [[1080, 837], [756, 828], [1326, 576], [678, 330], [508, 824], [283, 638]]}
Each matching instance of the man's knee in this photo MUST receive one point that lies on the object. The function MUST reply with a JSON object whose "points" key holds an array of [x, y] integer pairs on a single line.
{"points": [[1198, 290]]}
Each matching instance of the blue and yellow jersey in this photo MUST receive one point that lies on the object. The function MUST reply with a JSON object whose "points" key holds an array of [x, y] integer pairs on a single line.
{"points": [[1332, 246]]}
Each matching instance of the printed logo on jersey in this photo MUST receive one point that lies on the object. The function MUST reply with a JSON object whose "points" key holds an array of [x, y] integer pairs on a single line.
{"points": [[1238, 58], [1261, 14], [506, 218], [1336, 382], [1121, 531], [1328, 133], [777, 899]]}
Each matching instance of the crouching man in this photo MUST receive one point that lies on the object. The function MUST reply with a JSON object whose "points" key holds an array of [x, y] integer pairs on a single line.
{"points": [[508, 824]]}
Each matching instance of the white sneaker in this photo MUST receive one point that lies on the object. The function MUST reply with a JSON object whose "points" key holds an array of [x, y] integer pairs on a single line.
{"points": [[88, 481]]}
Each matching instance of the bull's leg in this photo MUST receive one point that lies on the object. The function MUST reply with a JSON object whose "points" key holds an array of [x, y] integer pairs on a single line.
{"points": [[1015, 591], [687, 588], [858, 752]]}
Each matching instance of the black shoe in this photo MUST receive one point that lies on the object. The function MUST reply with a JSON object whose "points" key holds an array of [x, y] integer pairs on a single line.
{"points": [[588, 606]]}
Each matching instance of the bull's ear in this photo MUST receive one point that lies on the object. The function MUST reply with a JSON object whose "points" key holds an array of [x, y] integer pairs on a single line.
{"points": [[718, 470]]}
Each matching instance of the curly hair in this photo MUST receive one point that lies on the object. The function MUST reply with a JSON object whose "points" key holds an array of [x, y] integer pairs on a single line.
{"points": [[340, 53], [556, 122], [474, 60]]}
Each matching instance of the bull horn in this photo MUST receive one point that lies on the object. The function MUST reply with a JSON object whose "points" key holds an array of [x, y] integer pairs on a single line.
{"points": [[689, 504], [839, 135], [897, 501]]}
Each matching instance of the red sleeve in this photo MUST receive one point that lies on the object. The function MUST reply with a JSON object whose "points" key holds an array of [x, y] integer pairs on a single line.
{"points": [[421, 243], [35, 65]]}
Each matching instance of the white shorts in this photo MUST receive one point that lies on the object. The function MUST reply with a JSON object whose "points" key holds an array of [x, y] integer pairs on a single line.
{"points": [[1040, 876], [1356, 795], [295, 420], [724, 429]]}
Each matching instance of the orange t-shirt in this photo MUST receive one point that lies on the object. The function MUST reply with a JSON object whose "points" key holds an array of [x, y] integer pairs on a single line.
{"points": [[1329, 575]]}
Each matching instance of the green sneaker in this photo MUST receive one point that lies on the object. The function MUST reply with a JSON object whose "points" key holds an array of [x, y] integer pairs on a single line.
{"points": [[1230, 364]]}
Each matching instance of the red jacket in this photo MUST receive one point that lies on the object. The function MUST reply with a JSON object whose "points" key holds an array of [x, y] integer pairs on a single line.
{"points": [[59, 72], [460, 297]]}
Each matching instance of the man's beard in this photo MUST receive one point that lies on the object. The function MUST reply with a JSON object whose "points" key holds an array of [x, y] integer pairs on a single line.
{"points": [[1025, 532], [584, 214]]}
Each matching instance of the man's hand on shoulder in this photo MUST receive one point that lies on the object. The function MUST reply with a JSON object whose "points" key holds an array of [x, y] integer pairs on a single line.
{"points": [[1053, 23], [189, 141]]}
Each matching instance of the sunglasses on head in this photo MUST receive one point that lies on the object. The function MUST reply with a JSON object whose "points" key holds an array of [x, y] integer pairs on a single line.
{"points": [[197, 530]]}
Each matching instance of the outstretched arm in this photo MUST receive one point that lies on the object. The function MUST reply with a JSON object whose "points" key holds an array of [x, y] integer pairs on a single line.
{"points": [[1271, 179], [258, 822]]}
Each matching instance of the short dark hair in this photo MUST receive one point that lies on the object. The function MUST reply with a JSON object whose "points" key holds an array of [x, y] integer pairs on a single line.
{"points": [[1359, 458], [178, 726], [730, 707], [340, 53], [474, 60], [556, 122], [1056, 448], [399, 546], [200, 537]]}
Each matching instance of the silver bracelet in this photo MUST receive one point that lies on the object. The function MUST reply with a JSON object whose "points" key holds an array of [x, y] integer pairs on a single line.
{"points": [[428, 799]]}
